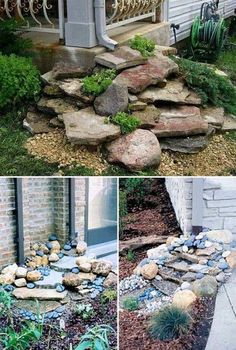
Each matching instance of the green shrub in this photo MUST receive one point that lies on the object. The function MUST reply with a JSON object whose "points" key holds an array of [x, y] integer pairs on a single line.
{"points": [[169, 323], [108, 295], [96, 338], [5, 302], [211, 87], [19, 81], [126, 122], [130, 303], [97, 83], [11, 41], [145, 46], [86, 311], [130, 255]]}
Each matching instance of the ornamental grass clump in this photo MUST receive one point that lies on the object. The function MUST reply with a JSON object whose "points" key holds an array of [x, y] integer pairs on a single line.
{"points": [[211, 87], [19, 82], [145, 46], [97, 83], [169, 323], [127, 123]]}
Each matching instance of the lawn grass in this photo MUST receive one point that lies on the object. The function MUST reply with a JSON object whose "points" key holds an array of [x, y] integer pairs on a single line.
{"points": [[14, 158], [227, 60]]}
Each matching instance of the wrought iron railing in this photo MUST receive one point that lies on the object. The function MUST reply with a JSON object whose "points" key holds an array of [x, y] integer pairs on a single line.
{"points": [[121, 12], [36, 15]]}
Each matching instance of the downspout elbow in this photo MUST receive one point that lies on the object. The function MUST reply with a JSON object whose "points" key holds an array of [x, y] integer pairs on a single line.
{"points": [[100, 23]]}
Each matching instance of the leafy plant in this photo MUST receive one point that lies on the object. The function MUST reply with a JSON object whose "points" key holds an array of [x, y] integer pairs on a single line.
{"points": [[97, 83], [210, 86], [19, 81], [5, 302], [96, 338], [145, 46], [86, 311], [130, 303], [11, 41], [130, 255], [108, 295], [126, 122], [169, 323]]}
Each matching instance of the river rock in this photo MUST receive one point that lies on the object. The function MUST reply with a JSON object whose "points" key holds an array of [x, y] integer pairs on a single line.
{"points": [[71, 280], [110, 281], [156, 70], [11, 269], [85, 267], [115, 99], [136, 151], [53, 257], [55, 247], [189, 277], [221, 236], [184, 299], [7, 278], [174, 92], [160, 251], [205, 287], [221, 277], [231, 260], [101, 267], [21, 282], [185, 286], [21, 272], [123, 57], [81, 248], [33, 276], [87, 128], [82, 260], [149, 271], [45, 260]]}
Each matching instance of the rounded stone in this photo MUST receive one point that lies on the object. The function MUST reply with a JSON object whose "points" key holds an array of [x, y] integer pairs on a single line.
{"points": [[60, 288], [223, 266], [67, 247], [184, 299], [185, 285], [226, 254], [199, 275], [30, 285], [75, 270], [52, 237], [49, 245], [39, 253], [207, 286]]}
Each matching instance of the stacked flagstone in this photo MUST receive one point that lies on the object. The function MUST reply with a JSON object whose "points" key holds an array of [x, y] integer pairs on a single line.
{"points": [[151, 89]]}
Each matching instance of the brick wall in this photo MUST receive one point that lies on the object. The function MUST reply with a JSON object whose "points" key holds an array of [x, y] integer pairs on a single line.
{"points": [[45, 209]]}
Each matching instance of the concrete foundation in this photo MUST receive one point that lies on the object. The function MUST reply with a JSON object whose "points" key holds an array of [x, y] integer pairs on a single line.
{"points": [[49, 51]]}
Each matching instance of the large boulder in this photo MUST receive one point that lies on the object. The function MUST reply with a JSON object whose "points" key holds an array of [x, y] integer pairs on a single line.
{"points": [[115, 99], [155, 71], [149, 271], [174, 92], [101, 267], [135, 151], [87, 128], [184, 299], [123, 57], [205, 287]]}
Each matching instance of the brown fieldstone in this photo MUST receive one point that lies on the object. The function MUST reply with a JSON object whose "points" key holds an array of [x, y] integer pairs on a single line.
{"points": [[231, 260], [62, 70], [137, 106], [229, 123], [55, 106], [149, 117], [39, 294], [135, 151], [205, 251], [156, 70], [175, 92], [101, 267], [87, 128], [37, 123], [110, 281], [123, 57], [73, 88], [214, 116]]}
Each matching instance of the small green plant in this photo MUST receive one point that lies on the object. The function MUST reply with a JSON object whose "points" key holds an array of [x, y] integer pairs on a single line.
{"points": [[108, 295], [126, 122], [86, 311], [96, 338], [169, 323], [145, 46], [19, 82], [130, 303], [97, 83], [211, 87], [130, 255], [5, 302], [11, 41]]}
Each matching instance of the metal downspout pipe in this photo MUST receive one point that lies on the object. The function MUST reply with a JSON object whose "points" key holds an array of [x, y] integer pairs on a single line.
{"points": [[197, 205], [100, 24], [19, 221], [72, 233]]}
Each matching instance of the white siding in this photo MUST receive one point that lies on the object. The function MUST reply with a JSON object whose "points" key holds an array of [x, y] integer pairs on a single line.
{"points": [[183, 12]]}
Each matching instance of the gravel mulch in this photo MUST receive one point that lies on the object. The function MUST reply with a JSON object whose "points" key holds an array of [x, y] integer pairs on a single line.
{"points": [[134, 330]]}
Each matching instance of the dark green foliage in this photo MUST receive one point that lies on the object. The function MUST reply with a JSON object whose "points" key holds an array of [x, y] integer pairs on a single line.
{"points": [[96, 338], [11, 41], [130, 303], [97, 83], [131, 255], [108, 295], [211, 87], [122, 204], [169, 323], [19, 82], [12, 340], [5, 302], [126, 122], [145, 46]]}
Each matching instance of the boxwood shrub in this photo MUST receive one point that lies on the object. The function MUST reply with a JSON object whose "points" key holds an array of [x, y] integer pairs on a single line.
{"points": [[19, 82]]}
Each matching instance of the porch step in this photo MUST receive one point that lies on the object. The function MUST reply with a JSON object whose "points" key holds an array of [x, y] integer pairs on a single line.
{"points": [[38, 293]]}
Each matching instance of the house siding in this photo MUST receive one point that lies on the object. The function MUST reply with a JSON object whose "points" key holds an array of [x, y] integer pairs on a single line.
{"points": [[183, 12]]}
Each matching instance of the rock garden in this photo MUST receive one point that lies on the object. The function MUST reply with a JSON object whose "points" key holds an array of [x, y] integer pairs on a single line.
{"points": [[167, 286], [62, 298]]}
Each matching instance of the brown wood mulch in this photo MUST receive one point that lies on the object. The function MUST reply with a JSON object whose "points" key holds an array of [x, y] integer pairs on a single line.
{"points": [[134, 330]]}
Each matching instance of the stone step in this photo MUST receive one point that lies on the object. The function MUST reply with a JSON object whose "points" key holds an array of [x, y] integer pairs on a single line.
{"points": [[38, 293], [50, 281], [65, 264]]}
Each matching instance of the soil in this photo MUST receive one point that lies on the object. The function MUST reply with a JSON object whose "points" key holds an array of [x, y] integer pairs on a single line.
{"points": [[55, 339], [196, 339], [153, 215]]}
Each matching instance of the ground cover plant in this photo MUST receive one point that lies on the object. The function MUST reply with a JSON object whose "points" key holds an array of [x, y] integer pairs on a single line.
{"points": [[127, 123], [145, 46], [98, 83]]}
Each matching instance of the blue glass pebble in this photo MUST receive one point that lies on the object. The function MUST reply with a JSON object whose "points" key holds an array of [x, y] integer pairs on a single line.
{"points": [[39, 253], [199, 275], [67, 247], [49, 245], [8, 288], [75, 270], [223, 265], [52, 237], [30, 285], [60, 255], [210, 263], [60, 288]]}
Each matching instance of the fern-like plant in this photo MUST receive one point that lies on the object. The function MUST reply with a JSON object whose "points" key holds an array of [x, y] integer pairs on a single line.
{"points": [[169, 323]]}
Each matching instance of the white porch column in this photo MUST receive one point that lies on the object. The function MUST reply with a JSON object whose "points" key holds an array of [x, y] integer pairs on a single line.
{"points": [[80, 27]]}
